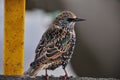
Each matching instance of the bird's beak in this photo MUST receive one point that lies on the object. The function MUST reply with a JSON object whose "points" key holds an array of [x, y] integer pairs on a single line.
{"points": [[75, 19], [78, 19]]}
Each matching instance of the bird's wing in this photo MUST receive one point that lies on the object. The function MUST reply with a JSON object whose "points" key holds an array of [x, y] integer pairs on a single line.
{"points": [[52, 43]]}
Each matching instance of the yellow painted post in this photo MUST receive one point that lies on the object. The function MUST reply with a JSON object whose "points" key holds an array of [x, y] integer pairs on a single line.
{"points": [[14, 37]]}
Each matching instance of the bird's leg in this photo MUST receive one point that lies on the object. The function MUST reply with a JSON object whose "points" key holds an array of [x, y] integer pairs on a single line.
{"points": [[46, 75], [66, 74], [46, 72], [65, 77]]}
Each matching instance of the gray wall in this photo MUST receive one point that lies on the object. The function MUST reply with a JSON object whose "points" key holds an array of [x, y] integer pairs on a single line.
{"points": [[97, 50]]}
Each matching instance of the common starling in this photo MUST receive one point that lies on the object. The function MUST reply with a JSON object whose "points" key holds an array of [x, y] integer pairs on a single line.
{"points": [[56, 45]]}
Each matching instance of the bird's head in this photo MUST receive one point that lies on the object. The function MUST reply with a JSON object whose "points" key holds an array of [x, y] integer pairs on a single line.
{"points": [[66, 19]]}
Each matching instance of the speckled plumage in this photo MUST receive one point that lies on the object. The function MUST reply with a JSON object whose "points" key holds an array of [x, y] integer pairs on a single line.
{"points": [[56, 45]]}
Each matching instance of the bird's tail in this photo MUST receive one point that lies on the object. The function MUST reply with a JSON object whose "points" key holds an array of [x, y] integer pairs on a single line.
{"points": [[32, 72]]}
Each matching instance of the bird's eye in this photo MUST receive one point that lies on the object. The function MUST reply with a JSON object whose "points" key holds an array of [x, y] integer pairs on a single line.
{"points": [[70, 19]]}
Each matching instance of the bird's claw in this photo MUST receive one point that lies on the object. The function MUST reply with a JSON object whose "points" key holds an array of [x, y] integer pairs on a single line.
{"points": [[45, 77], [65, 77]]}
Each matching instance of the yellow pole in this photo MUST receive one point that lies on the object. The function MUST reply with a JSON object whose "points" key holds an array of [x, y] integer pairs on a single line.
{"points": [[14, 37]]}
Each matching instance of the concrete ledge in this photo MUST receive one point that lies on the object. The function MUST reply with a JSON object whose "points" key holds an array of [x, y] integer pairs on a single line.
{"points": [[2, 77]]}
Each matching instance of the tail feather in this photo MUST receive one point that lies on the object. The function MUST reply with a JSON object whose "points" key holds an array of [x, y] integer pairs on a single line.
{"points": [[32, 72]]}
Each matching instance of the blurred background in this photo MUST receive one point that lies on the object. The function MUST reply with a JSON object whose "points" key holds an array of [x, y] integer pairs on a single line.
{"points": [[97, 52]]}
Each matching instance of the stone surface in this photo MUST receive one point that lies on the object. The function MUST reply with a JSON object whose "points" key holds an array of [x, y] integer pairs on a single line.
{"points": [[2, 77]]}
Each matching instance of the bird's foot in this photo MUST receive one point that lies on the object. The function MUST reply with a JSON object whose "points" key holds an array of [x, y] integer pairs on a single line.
{"points": [[45, 77], [65, 77]]}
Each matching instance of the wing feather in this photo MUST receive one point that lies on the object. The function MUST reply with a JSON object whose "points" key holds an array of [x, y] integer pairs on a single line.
{"points": [[52, 43]]}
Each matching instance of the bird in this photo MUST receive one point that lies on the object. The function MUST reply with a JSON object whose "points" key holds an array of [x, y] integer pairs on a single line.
{"points": [[56, 45]]}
